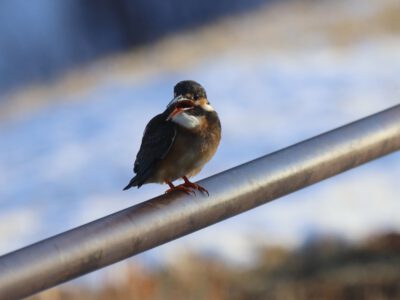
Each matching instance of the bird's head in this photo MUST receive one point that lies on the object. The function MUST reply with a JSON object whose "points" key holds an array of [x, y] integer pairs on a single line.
{"points": [[190, 98]]}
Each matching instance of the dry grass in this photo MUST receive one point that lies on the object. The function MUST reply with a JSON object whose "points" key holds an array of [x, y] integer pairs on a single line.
{"points": [[326, 269]]}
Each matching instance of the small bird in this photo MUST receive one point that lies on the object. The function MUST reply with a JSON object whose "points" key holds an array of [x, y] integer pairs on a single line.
{"points": [[178, 142]]}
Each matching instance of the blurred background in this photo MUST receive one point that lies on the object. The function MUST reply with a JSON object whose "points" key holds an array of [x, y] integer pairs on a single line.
{"points": [[79, 80]]}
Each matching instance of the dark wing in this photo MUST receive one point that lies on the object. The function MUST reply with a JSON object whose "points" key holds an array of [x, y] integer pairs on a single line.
{"points": [[158, 138]]}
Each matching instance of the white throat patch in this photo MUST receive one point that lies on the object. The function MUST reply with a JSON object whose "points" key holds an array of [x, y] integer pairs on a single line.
{"points": [[186, 120], [207, 107]]}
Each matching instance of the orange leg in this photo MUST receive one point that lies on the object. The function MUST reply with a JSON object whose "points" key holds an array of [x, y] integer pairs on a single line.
{"points": [[192, 185], [181, 188]]}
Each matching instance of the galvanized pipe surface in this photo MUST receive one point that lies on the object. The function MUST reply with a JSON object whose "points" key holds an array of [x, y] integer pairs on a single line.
{"points": [[167, 217]]}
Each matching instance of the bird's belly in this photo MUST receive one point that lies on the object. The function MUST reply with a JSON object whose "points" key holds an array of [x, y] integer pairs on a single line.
{"points": [[187, 156]]}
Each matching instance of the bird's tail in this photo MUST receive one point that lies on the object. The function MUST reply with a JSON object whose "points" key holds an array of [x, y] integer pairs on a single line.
{"points": [[131, 183]]}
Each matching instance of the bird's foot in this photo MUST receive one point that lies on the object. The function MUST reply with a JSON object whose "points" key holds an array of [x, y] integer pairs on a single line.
{"points": [[193, 185], [181, 188]]}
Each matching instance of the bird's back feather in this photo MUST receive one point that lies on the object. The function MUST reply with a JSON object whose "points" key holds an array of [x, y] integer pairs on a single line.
{"points": [[157, 140]]}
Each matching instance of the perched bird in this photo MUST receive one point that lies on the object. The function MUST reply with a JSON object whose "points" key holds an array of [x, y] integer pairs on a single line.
{"points": [[178, 142]]}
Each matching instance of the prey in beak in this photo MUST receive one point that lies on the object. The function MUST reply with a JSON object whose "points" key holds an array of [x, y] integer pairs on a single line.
{"points": [[180, 105]]}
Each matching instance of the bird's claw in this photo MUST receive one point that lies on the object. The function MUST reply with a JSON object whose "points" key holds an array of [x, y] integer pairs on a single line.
{"points": [[187, 187], [195, 186], [181, 188]]}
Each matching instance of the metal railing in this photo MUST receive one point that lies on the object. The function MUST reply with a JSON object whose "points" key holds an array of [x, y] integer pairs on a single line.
{"points": [[167, 217]]}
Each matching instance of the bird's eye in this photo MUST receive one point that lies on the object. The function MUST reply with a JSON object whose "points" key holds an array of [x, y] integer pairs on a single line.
{"points": [[196, 97]]}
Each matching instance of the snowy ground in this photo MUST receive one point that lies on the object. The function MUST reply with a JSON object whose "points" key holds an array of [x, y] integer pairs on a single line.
{"points": [[66, 164]]}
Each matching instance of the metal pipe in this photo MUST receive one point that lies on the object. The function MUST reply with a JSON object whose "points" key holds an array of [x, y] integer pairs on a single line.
{"points": [[167, 217]]}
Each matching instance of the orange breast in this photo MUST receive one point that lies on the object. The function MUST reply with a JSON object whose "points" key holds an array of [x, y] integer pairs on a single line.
{"points": [[190, 152]]}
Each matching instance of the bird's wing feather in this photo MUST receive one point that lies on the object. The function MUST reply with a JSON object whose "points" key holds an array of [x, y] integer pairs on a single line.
{"points": [[158, 138]]}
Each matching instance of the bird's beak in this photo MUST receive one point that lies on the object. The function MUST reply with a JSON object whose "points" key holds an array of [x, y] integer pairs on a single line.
{"points": [[176, 100], [181, 104]]}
